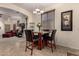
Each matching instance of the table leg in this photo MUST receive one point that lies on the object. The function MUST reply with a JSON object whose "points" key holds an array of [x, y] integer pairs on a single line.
{"points": [[40, 42]]}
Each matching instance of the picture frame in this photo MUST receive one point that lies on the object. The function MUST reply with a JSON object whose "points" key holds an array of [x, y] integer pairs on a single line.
{"points": [[66, 20], [32, 25]]}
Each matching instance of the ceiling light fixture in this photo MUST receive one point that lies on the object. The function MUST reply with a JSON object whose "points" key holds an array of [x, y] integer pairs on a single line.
{"points": [[34, 12], [38, 11], [42, 11]]}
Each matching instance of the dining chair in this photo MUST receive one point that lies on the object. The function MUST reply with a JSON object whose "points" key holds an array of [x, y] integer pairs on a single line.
{"points": [[50, 40], [29, 40]]}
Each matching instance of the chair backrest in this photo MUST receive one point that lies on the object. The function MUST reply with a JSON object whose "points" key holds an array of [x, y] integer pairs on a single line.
{"points": [[28, 34], [53, 34]]}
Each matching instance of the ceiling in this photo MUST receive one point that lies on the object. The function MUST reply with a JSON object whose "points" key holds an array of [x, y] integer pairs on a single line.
{"points": [[32, 6], [9, 11]]}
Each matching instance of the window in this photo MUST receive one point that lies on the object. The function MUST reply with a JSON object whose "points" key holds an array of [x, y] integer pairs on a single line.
{"points": [[48, 20]]}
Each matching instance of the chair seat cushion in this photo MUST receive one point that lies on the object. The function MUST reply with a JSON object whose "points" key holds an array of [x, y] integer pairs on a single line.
{"points": [[35, 37]]}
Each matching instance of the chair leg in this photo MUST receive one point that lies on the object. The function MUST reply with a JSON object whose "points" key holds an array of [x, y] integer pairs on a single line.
{"points": [[31, 52], [32, 48], [47, 43], [44, 43], [51, 46], [26, 47], [54, 44]]}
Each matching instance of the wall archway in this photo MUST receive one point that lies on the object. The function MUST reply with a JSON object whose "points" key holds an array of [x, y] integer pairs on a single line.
{"points": [[19, 9]]}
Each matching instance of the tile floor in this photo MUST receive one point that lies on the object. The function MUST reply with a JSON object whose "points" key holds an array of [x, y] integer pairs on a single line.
{"points": [[16, 47]]}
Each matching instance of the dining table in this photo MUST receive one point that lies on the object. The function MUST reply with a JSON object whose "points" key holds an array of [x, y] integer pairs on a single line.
{"points": [[40, 38]]}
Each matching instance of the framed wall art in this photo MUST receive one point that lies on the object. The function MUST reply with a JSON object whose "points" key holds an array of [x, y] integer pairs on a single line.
{"points": [[66, 20], [31, 25]]}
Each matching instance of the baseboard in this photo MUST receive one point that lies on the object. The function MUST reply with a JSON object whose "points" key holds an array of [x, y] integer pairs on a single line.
{"points": [[68, 47]]}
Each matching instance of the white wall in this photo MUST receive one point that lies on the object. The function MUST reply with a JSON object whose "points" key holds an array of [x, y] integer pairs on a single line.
{"points": [[66, 38], [2, 27], [36, 20]]}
